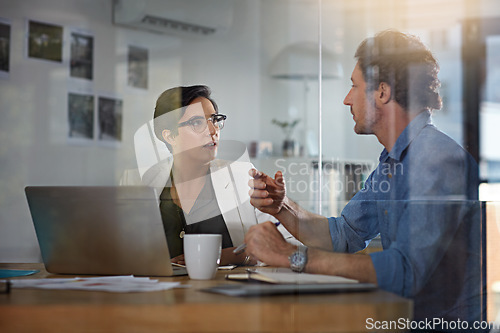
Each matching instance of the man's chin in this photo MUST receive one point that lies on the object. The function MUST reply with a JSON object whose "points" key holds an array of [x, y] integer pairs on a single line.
{"points": [[361, 131], [358, 130]]}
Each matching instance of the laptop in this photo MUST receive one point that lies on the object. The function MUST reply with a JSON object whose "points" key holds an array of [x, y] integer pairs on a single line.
{"points": [[97, 230]]}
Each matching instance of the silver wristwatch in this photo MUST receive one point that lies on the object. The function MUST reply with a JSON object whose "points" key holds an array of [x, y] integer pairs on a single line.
{"points": [[298, 259]]}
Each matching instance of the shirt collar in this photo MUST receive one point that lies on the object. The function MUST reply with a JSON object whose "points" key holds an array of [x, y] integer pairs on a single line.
{"points": [[406, 137]]}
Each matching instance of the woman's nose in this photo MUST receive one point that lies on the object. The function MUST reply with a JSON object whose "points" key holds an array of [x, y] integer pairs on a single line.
{"points": [[211, 127]]}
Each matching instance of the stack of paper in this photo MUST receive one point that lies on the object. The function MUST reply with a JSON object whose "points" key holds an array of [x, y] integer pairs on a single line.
{"points": [[117, 284]]}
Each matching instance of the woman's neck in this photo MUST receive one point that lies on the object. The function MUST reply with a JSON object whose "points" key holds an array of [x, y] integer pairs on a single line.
{"points": [[184, 171], [188, 181]]}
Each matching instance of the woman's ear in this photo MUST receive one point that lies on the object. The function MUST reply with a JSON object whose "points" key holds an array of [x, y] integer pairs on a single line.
{"points": [[384, 92], [168, 136]]}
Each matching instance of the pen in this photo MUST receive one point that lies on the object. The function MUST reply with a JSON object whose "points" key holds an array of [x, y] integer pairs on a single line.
{"points": [[243, 246]]}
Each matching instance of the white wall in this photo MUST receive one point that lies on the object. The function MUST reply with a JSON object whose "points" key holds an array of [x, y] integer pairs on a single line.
{"points": [[288, 22]]}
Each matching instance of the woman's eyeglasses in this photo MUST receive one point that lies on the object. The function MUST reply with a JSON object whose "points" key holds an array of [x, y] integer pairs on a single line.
{"points": [[199, 124]]}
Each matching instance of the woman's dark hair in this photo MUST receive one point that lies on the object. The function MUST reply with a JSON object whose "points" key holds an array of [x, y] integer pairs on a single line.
{"points": [[406, 64], [176, 100]]}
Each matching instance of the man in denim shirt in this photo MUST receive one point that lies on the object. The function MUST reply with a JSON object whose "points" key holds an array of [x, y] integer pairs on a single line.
{"points": [[421, 199]]}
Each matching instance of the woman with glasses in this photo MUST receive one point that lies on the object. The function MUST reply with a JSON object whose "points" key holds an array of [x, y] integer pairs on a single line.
{"points": [[203, 194]]}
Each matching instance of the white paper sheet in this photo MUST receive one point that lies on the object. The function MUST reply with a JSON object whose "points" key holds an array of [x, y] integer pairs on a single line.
{"points": [[117, 284]]}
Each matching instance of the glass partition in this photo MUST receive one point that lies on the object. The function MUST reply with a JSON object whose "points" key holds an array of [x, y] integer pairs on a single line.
{"points": [[78, 84]]}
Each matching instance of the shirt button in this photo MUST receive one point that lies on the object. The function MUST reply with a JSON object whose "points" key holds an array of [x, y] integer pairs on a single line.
{"points": [[386, 212], [389, 175]]}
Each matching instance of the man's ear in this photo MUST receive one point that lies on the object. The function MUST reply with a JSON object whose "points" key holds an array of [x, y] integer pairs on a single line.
{"points": [[384, 92], [168, 136]]}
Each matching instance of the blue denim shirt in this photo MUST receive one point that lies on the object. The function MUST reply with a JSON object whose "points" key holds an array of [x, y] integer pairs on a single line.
{"points": [[422, 200]]}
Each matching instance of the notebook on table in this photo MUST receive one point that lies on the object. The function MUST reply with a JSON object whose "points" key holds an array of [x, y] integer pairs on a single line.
{"points": [[264, 289], [283, 281], [96, 230]]}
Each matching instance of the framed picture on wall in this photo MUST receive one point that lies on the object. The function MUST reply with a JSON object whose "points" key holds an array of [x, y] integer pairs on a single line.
{"points": [[138, 59], [80, 117], [4, 48], [45, 41], [109, 119], [81, 64]]}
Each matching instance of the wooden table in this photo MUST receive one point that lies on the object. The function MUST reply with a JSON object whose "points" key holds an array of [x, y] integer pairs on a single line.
{"points": [[190, 310]]}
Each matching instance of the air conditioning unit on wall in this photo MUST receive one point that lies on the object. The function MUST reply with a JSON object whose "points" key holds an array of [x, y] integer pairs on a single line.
{"points": [[178, 17]]}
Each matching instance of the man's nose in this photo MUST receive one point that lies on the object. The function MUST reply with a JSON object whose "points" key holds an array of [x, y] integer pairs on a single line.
{"points": [[347, 99]]}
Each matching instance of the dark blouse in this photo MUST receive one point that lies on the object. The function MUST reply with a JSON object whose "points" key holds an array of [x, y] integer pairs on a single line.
{"points": [[204, 218]]}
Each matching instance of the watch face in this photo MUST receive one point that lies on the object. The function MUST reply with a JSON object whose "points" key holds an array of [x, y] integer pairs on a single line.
{"points": [[298, 261]]}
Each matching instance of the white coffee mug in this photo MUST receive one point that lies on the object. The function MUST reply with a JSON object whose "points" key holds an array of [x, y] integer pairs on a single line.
{"points": [[202, 255]]}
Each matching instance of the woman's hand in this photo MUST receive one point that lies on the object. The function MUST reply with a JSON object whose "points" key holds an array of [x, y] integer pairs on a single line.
{"points": [[229, 258], [178, 260]]}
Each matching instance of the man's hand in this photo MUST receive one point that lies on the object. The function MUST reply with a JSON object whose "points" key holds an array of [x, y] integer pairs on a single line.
{"points": [[266, 243], [267, 194]]}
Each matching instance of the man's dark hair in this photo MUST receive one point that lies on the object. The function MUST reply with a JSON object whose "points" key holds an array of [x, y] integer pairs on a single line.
{"points": [[406, 64], [176, 100]]}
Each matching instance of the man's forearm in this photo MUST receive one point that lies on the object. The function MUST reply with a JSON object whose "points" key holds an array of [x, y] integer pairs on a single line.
{"points": [[354, 266], [311, 229]]}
